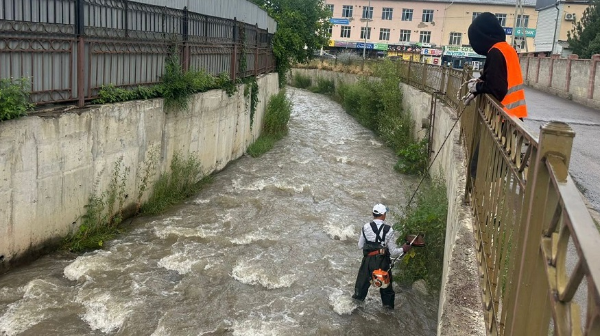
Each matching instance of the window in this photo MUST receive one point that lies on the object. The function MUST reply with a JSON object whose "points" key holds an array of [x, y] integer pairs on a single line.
{"points": [[425, 37], [455, 38], [476, 14], [329, 31], [347, 10], [519, 43], [365, 33], [427, 15], [407, 14], [329, 8], [367, 12], [387, 13], [384, 34], [523, 21], [501, 19], [345, 31], [404, 35]]}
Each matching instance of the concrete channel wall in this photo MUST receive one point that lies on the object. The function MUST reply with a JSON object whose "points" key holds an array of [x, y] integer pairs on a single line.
{"points": [[460, 309], [51, 163]]}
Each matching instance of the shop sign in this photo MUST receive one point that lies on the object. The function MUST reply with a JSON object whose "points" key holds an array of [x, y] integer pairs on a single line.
{"points": [[375, 46], [456, 51], [431, 52], [405, 48], [339, 21], [343, 44]]}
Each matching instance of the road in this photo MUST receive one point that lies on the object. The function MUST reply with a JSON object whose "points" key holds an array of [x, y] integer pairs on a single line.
{"points": [[585, 121]]}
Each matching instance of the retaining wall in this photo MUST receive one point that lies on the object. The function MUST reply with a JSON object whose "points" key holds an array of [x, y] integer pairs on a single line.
{"points": [[570, 78], [460, 309], [51, 163]]}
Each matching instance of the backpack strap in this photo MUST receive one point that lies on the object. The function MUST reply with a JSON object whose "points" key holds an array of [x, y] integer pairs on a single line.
{"points": [[378, 238]]}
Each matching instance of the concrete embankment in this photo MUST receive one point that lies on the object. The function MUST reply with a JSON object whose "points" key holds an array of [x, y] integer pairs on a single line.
{"points": [[51, 163], [460, 310]]}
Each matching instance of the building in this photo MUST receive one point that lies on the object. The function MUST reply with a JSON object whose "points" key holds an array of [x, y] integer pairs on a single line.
{"points": [[555, 20], [429, 31]]}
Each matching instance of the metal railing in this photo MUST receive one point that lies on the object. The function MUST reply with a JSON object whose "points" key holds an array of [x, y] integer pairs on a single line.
{"points": [[71, 48], [537, 245]]}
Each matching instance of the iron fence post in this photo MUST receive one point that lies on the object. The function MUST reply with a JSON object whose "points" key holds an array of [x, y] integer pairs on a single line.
{"points": [[529, 298], [80, 31], [256, 51], [234, 51], [185, 37], [408, 76]]}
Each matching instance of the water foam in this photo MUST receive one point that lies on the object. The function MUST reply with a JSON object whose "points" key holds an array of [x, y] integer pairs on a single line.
{"points": [[201, 201], [252, 237], [83, 265], [179, 262], [254, 275], [104, 312], [341, 302], [258, 327], [340, 233], [165, 232]]}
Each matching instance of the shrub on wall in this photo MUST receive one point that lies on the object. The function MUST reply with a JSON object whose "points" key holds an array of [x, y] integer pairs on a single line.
{"points": [[14, 98], [275, 125]]}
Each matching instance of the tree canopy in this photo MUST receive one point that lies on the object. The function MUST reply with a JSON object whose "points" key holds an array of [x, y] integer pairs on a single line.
{"points": [[302, 27], [584, 39]]}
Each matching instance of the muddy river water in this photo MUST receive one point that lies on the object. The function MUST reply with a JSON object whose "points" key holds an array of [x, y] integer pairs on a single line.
{"points": [[268, 248]]}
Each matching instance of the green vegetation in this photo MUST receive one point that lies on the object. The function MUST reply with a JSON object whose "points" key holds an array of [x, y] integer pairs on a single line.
{"points": [[324, 86], [427, 216], [302, 28], [184, 180], [14, 98], [413, 159], [275, 125], [301, 81], [103, 214], [584, 39]]}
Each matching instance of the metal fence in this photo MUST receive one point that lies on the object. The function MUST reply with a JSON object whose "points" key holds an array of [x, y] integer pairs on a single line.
{"points": [[537, 244], [71, 48]]}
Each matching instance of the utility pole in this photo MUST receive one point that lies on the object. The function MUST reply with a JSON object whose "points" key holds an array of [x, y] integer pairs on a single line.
{"points": [[519, 13], [367, 33]]}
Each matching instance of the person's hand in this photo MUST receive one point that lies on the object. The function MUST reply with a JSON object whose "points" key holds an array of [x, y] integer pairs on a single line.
{"points": [[381, 251], [472, 85], [406, 247], [468, 98]]}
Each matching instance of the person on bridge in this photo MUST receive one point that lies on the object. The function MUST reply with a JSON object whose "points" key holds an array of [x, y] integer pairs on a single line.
{"points": [[378, 242], [501, 76]]}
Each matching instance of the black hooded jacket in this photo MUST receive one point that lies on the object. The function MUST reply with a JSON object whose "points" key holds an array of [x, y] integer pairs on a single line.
{"points": [[484, 32]]}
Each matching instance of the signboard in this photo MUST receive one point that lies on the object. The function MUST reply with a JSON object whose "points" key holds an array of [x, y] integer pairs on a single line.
{"points": [[339, 21], [405, 48], [431, 52], [527, 32], [343, 44], [456, 51], [376, 46]]}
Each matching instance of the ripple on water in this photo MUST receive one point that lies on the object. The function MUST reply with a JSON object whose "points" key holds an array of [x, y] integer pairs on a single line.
{"points": [[250, 273]]}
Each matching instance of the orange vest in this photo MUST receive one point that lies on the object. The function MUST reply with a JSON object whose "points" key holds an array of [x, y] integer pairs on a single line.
{"points": [[514, 101]]}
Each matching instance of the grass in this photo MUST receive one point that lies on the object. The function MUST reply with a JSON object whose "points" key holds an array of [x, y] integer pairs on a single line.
{"points": [[275, 125]]}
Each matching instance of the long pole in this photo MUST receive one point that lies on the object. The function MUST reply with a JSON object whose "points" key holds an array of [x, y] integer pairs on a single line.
{"points": [[367, 31], [556, 4]]}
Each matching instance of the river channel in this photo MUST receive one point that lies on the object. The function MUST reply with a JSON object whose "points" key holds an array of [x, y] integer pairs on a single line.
{"points": [[268, 248]]}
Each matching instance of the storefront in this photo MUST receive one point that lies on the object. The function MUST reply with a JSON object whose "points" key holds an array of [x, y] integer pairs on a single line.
{"points": [[371, 49], [405, 52], [457, 57], [431, 56]]}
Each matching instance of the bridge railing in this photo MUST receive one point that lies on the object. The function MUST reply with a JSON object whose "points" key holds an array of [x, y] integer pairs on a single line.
{"points": [[69, 49], [537, 245]]}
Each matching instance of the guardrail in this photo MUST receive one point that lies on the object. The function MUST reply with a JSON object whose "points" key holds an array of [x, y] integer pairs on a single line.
{"points": [[71, 48], [537, 244]]}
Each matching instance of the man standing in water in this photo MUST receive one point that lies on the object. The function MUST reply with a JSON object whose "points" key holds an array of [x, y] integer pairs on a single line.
{"points": [[378, 242]]}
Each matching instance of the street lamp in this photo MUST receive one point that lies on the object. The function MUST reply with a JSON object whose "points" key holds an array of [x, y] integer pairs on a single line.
{"points": [[366, 32]]}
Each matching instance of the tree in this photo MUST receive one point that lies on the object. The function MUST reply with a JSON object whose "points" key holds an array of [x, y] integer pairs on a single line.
{"points": [[301, 29], [584, 39]]}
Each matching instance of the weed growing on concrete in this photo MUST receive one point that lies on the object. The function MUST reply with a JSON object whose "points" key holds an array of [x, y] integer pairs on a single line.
{"points": [[103, 214], [275, 125], [144, 174], [413, 159], [426, 216], [301, 81], [251, 91], [14, 98], [184, 180], [324, 86]]}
